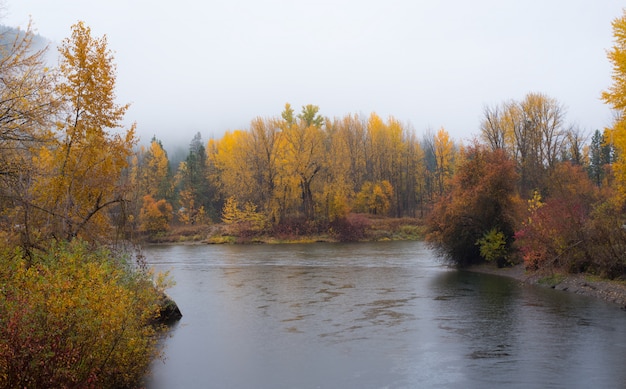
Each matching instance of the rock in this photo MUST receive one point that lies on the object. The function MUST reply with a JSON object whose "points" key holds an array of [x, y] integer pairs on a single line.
{"points": [[169, 312]]}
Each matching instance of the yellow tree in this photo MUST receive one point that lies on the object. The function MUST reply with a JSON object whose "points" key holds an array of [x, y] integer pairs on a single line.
{"points": [[156, 180], [155, 215], [444, 157], [415, 176], [303, 156], [352, 131], [149, 175], [615, 96], [375, 198], [81, 170], [262, 149], [338, 183], [397, 161], [229, 157], [378, 141]]}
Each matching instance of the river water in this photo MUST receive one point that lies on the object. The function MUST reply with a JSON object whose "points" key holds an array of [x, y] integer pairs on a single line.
{"points": [[374, 315]]}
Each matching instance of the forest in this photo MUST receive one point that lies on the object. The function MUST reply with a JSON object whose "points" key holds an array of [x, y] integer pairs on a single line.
{"points": [[77, 190], [529, 187]]}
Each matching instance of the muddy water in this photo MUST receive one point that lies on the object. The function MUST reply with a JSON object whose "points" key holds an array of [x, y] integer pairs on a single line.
{"points": [[380, 315]]}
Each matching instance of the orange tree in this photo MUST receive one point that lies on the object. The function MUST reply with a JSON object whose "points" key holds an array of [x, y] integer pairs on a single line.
{"points": [[481, 200]]}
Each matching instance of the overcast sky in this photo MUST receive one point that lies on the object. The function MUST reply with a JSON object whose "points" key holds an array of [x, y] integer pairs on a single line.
{"points": [[211, 66]]}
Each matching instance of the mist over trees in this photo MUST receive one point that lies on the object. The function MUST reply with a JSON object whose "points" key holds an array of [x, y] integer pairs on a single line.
{"points": [[310, 173], [75, 187], [313, 169]]}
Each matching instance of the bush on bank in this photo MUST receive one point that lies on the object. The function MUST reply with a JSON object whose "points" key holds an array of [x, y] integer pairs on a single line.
{"points": [[75, 316]]}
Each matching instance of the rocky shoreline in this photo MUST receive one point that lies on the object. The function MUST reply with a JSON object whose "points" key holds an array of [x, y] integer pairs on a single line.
{"points": [[611, 291]]}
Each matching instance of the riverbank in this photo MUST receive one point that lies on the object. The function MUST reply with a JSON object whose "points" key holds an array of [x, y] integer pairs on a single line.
{"points": [[373, 228], [587, 285]]}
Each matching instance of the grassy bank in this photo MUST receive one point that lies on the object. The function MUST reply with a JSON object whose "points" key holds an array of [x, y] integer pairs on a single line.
{"points": [[373, 229]]}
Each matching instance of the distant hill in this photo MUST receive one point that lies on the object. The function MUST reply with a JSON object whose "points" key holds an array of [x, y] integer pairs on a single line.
{"points": [[8, 35]]}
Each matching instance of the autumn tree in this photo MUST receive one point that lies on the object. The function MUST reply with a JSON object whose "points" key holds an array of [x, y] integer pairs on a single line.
{"points": [[481, 200], [336, 186], [493, 129], [155, 215], [303, 152], [243, 220], [375, 198], [194, 190], [81, 169], [615, 96], [28, 105], [556, 234], [149, 175], [345, 171], [387, 155], [534, 133], [156, 175], [27, 98], [247, 165], [352, 146], [229, 156], [444, 159], [262, 148], [414, 192]]}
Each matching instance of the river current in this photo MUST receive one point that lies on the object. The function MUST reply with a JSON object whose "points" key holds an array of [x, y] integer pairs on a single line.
{"points": [[374, 315]]}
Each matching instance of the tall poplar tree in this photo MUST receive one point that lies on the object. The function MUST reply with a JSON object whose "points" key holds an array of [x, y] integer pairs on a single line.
{"points": [[615, 96], [82, 168]]}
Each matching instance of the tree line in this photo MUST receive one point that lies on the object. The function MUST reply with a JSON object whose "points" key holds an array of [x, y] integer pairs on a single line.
{"points": [[296, 167], [315, 170]]}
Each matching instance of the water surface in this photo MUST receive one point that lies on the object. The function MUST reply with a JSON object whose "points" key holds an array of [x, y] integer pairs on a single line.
{"points": [[375, 315]]}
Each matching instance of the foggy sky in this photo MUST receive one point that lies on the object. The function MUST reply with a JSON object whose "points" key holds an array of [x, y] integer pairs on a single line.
{"points": [[189, 66]]}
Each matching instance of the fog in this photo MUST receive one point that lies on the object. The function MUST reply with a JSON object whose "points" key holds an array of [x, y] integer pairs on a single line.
{"points": [[190, 66]]}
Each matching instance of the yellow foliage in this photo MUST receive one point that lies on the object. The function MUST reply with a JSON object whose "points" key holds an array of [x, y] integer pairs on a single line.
{"points": [[156, 171], [189, 212], [155, 216], [615, 96], [229, 155], [76, 317], [375, 198], [80, 171], [444, 156], [247, 217]]}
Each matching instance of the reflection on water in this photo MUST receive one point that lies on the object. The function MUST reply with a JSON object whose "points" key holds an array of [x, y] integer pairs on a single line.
{"points": [[384, 315]]}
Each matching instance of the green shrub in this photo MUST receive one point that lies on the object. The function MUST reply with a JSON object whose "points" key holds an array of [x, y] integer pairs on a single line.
{"points": [[493, 246]]}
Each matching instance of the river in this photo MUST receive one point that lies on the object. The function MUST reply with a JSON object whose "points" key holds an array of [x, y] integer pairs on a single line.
{"points": [[374, 315]]}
